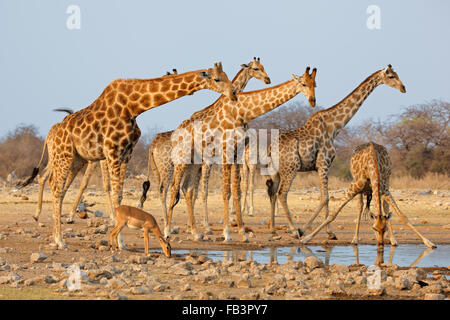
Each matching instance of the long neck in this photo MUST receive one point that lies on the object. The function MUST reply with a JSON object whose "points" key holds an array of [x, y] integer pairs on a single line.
{"points": [[136, 96], [340, 114], [241, 80], [255, 103]]}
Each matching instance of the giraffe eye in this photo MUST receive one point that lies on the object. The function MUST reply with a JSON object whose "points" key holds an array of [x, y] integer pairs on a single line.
{"points": [[391, 77], [216, 80], [256, 69]]}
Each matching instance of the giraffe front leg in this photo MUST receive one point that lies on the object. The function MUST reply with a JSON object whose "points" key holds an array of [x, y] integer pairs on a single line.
{"points": [[226, 179], [58, 179], [206, 170], [179, 170], [358, 220], [84, 182], [235, 178], [405, 220], [107, 187], [327, 221], [323, 167], [272, 190], [191, 187], [388, 214], [114, 176], [286, 179], [251, 189]]}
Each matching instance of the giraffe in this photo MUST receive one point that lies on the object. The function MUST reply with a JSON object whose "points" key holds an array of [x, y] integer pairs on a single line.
{"points": [[159, 153], [106, 129], [42, 178], [311, 147], [215, 124], [370, 166]]}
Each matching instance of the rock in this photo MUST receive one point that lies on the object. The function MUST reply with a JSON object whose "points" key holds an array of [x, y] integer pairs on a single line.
{"points": [[339, 268], [137, 291], [37, 257], [243, 283], [138, 259], [160, 288], [250, 296], [402, 284], [376, 292], [50, 279], [434, 296], [313, 263], [98, 214]]}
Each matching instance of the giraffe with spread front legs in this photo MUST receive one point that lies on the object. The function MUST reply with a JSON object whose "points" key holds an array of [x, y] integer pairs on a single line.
{"points": [[370, 167]]}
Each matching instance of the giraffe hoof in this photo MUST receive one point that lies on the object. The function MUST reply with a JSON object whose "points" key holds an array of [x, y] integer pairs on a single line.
{"points": [[36, 218], [69, 221]]}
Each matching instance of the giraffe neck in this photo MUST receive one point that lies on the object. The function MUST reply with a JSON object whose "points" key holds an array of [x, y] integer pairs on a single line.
{"points": [[252, 104], [241, 80], [136, 96], [340, 114]]}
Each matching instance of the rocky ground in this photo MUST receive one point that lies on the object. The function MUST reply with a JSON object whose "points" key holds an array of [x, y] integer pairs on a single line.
{"points": [[29, 262]]}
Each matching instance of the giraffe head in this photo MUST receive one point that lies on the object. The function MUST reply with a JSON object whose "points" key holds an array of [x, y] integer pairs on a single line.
{"points": [[379, 226], [217, 80], [256, 70], [307, 83], [390, 78]]}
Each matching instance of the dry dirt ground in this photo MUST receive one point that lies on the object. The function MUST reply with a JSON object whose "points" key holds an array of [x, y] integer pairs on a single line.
{"points": [[129, 274]]}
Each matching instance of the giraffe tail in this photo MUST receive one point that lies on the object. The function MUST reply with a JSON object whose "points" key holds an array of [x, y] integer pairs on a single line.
{"points": [[145, 187], [35, 172], [270, 189]]}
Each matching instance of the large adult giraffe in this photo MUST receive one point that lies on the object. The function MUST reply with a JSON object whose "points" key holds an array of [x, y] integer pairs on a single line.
{"points": [[107, 128], [311, 147], [221, 126], [160, 150], [42, 178]]}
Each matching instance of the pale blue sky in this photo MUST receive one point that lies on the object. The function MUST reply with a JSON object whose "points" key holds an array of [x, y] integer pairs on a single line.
{"points": [[44, 65]]}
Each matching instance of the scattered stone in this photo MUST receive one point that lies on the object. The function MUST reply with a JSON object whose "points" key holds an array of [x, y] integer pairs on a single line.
{"points": [[434, 296], [313, 262], [138, 259], [402, 284], [37, 257]]}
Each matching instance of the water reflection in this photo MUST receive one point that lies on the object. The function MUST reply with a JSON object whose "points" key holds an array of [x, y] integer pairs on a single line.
{"points": [[404, 255]]}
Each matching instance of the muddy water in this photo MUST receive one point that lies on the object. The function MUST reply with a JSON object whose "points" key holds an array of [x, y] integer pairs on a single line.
{"points": [[402, 255]]}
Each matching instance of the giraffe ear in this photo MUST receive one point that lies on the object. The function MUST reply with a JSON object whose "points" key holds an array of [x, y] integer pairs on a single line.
{"points": [[205, 75], [295, 77], [313, 73]]}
